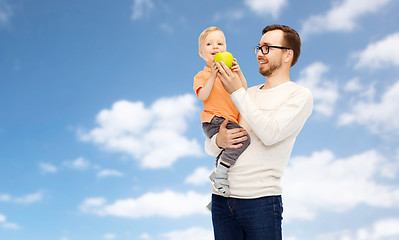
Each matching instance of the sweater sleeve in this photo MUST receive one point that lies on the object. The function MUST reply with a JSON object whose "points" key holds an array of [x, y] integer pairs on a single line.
{"points": [[276, 125], [210, 146]]}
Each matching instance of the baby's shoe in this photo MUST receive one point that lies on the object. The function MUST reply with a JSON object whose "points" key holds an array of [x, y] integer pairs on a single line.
{"points": [[221, 183]]}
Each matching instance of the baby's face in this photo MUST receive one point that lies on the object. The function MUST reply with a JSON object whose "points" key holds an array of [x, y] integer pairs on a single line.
{"points": [[214, 43]]}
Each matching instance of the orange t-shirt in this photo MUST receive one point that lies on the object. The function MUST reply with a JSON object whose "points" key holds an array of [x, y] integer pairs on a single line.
{"points": [[219, 102]]}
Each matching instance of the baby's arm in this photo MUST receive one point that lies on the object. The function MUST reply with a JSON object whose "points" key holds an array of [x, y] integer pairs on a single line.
{"points": [[206, 90], [236, 68]]}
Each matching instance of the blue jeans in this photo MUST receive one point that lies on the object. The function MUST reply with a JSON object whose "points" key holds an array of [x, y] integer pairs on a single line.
{"points": [[247, 219]]}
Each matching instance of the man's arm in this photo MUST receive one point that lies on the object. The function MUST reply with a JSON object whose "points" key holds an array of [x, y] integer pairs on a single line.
{"points": [[226, 138], [278, 125], [269, 128]]}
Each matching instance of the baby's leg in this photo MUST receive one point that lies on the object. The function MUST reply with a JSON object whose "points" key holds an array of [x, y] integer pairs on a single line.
{"points": [[230, 155]]}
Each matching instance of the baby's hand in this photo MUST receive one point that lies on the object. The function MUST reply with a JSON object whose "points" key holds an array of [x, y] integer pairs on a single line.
{"points": [[214, 68]]}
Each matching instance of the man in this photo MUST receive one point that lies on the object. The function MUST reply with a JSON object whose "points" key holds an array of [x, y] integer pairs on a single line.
{"points": [[273, 114]]}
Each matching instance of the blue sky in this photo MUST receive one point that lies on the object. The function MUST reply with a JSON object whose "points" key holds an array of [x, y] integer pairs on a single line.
{"points": [[100, 131]]}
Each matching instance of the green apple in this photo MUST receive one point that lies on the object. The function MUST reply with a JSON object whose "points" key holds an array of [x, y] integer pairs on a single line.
{"points": [[226, 57]]}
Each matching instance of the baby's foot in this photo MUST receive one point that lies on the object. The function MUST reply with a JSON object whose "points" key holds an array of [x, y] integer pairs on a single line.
{"points": [[221, 183]]}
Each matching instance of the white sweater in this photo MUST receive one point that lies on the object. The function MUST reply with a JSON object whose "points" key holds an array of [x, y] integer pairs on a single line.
{"points": [[273, 118]]}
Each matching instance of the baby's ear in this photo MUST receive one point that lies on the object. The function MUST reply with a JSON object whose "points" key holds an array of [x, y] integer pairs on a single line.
{"points": [[200, 53]]}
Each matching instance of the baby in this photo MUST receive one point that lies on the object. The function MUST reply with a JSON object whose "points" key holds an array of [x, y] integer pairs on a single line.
{"points": [[217, 104]]}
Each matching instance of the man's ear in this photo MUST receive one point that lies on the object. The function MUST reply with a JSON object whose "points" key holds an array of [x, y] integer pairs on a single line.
{"points": [[289, 55]]}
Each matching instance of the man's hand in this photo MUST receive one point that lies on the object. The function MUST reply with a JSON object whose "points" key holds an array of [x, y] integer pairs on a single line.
{"points": [[230, 138], [230, 79]]}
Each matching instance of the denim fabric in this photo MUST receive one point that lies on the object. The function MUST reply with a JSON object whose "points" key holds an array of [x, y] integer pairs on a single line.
{"points": [[247, 219], [228, 155]]}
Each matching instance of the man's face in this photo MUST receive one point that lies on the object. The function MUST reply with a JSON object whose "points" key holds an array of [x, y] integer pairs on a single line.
{"points": [[214, 43], [271, 62]]}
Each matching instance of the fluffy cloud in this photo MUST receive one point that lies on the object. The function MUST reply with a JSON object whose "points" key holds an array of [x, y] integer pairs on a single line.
{"points": [[30, 198], [27, 199], [325, 92], [109, 173], [5, 12], [378, 116], [78, 164], [165, 204], [5, 197], [342, 16], [353, 85], [153, 135], [322, 182], [141, 8], [385, 229], [109, 236], [11, 225], [379, 54], [199, 177], [5, 224], [48, 168], [261, 7]]}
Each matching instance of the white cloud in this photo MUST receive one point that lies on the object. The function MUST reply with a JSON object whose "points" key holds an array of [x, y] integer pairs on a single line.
{"points": [[5, 197], [343, 16], [199, 177], [322, 182], [194, 233], [261, 7], [2, 218], [5, 12], [378, 117], [153, 136], [165, 204], [386, 229], [5, 224], [30, 198], [11, 225], [78, 164], [48, 168], [379, 54], [91, 204], [145, 236], [325, 92], [109, 173], [27, 199], [109, 236], [289, 238], [353, 85], [141, 8]]}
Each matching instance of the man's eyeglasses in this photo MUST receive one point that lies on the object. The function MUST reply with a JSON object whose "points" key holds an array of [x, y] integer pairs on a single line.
{"points": [[265, 49]]}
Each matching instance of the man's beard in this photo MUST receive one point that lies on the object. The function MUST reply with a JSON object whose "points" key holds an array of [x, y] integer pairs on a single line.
{"points": [[271, 70]]}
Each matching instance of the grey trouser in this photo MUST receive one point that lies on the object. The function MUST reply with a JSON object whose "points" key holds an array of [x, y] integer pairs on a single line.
{"points": [[228, 155]]}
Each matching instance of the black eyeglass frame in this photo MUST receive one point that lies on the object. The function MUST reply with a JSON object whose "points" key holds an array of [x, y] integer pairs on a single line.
{"points": [[257, 48]]}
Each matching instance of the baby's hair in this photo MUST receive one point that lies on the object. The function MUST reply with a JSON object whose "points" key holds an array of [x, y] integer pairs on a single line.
{"points": [[205, 33]]}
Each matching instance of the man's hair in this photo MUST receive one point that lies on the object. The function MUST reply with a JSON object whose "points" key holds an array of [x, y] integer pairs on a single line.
{"points": [[205, 33], [291, 39]]}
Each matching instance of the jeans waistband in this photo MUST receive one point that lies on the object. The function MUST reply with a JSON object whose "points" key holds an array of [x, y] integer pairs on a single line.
{"points": [[262, 200]]}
